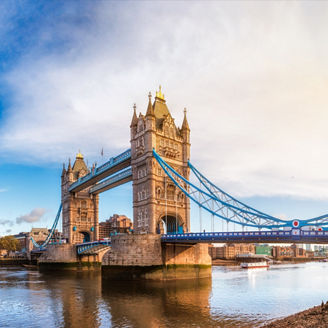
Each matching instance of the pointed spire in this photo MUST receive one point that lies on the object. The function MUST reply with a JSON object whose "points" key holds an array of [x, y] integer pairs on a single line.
{"points": [[69, 168], [185, 125], [63, 171], [134, 120], [150, 109]]}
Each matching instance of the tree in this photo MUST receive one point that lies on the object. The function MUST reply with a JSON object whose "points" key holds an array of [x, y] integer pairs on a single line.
{"points": [[9, 243]]}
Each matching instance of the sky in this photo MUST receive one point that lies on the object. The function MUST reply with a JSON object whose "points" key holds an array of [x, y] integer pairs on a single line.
{"points": [[253, 76]]}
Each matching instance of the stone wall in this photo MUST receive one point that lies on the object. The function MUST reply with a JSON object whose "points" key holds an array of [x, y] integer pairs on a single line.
{"points": [[134, 250], [175, 254], [64, 253], [143, 256]]}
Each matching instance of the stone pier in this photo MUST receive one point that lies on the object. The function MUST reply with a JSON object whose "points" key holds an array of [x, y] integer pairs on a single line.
{"points": [[143, 256], [64, 257]]}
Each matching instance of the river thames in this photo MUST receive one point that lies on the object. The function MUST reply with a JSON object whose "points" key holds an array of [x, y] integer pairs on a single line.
{"points": [[232, 298]]}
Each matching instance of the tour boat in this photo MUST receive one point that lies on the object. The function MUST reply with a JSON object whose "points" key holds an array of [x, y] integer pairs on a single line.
{"points": [[254, 265]]}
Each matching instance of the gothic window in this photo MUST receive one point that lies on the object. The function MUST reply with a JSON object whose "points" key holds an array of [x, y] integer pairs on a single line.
{"points": [[170, 191], [159, 172], [83, 204], [162, 142]]}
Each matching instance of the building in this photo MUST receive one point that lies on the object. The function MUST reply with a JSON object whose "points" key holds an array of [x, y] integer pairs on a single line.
{"points": [[288, 251], [115, 224], [39, 235], [263, 250], [230, 251]]}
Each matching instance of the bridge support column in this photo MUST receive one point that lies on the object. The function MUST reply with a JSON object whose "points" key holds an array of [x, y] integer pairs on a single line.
{"points": [[143, 256], [64, 257]]}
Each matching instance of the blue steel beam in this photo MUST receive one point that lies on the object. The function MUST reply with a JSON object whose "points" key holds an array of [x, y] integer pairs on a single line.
{"points": [[112, 182], [53, 228], [112, 166], [291, 236], [222, 205], [221, 209]]}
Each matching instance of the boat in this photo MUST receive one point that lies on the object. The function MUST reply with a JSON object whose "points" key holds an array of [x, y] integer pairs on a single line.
{"points": [[30, 266], [254, 265]]}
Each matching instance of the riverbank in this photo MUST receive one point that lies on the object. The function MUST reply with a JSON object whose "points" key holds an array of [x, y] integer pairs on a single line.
{"points": [[12, 261], [316, 317]]}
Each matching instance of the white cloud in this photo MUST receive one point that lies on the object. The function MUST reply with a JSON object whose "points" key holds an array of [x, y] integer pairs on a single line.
{"points": [[34, 216], [252, 75], [3, 189]]}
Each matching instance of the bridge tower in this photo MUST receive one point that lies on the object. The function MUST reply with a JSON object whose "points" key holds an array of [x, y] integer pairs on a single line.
{"points": [[80, 209], [158, 205]]}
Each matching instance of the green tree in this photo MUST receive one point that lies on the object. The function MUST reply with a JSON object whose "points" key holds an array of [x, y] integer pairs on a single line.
{"points": [[9, 243]]}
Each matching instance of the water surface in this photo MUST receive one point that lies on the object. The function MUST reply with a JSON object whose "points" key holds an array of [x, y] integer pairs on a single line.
{"points": [[232, 298]]}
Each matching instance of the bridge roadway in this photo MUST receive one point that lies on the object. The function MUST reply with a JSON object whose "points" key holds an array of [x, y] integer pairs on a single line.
{"points": [[114, 165], [291, 236]]}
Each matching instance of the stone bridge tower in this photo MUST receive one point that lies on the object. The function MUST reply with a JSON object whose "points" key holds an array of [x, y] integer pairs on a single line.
{"points": [[158, 205], [80, 210]]}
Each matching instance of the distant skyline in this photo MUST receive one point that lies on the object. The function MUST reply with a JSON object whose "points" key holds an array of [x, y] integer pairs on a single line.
{"points": [[252, 75]]}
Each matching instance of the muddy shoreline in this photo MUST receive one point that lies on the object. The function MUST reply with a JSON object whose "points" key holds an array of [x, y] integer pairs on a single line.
{"points": [[316, 317]]}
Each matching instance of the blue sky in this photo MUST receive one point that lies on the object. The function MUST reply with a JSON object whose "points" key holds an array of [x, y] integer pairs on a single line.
{"points": [[252, 75]]}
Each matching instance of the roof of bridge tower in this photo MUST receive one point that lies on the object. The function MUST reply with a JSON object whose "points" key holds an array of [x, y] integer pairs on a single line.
{"points": [[160, 108], [79, 163]]}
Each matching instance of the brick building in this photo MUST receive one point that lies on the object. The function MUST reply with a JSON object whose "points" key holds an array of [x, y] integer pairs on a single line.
{"points": [[230, 251], [115, 224]]}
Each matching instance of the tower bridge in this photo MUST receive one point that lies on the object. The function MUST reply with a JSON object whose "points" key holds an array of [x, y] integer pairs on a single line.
{"points": [[158, 164]]}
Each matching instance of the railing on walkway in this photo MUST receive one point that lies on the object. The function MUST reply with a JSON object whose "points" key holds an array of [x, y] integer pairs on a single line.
{"points": [[291, 236], [82, 248]]}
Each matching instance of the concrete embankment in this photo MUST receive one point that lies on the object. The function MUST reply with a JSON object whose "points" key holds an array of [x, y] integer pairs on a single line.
{"points": [[13, 261], [316, 317]]}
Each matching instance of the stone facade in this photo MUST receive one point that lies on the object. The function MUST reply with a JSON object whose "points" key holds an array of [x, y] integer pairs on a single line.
{"points": [[156, 200], [143, 256], [80, 209]]}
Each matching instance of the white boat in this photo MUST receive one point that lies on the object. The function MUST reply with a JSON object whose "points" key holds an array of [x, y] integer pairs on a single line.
{"points": [[254, 265]]}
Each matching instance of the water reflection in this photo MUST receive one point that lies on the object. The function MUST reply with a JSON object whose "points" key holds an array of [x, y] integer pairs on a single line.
{"points": [[184, 303], [233, 298]]}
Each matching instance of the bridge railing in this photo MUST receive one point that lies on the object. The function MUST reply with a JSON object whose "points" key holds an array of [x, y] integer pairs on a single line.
{"points": [[89, 245], [109, 164], [293, 233]]}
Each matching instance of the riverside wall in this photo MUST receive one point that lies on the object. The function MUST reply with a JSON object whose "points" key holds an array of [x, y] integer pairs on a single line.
{"points": [[64, 257]]}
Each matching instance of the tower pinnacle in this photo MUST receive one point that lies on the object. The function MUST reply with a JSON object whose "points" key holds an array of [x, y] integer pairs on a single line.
{"points": [[150, 109], [134, 120], [185, 125]]}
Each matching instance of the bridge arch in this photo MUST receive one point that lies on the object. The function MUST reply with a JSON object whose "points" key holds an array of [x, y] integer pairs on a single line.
{"points": [[85, 236], [170, 222]]}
